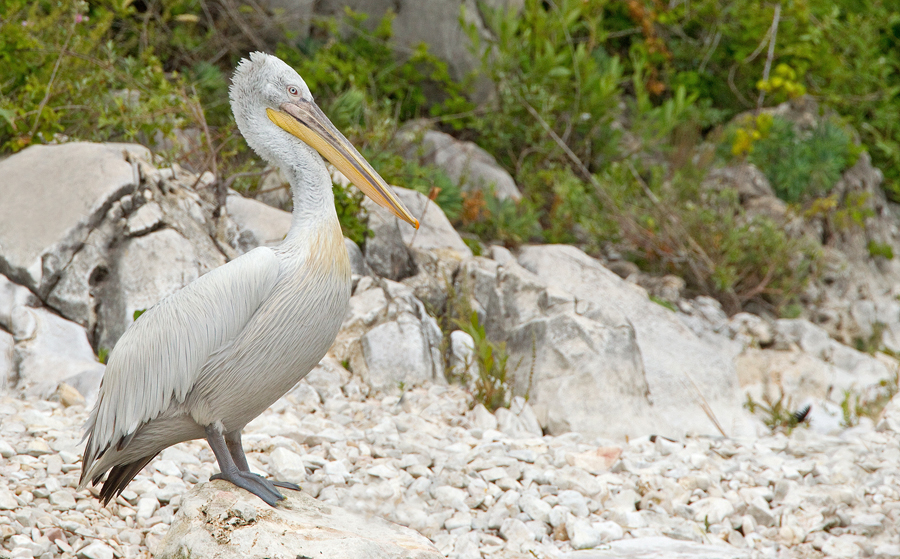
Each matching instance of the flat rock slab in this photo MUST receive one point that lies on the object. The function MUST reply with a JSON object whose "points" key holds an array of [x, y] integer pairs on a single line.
{"points": [[219, 520], [52, 197], [659, 548]]}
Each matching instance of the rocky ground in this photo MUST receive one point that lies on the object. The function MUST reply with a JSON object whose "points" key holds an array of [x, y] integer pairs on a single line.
{"points": [[478, 484]]}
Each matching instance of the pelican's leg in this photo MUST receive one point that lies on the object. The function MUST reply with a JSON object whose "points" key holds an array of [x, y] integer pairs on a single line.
{"points": [[236, 449], [253, 483]]}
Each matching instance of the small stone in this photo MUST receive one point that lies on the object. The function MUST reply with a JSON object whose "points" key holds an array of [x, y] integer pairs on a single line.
{"points": [[96, 550], [37, 447], [287, 465], [595, 461], [582, 534], [514, 530], [62, 500], [536, 508], [609, 530], [8, 500], [146, 507], [68, 396], [458, 520], [712, 510], [843, 547], [6, 450], [574, 502]]}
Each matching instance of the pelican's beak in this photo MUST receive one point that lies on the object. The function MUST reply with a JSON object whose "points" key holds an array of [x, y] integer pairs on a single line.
{"points": [[305, 120]]}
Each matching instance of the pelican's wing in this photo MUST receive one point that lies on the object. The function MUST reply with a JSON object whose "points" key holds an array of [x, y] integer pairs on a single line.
{"points": [[157, 360]]}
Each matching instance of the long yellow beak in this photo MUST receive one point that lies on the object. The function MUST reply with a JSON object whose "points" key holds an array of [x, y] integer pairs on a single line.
{"points": [[305, 120]]}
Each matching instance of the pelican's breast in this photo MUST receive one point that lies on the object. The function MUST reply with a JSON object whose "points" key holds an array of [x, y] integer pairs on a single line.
{"points": [[285, 339]]}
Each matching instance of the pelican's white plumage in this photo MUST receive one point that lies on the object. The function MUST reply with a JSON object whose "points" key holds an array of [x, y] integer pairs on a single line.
{"points": [[208, 359]]}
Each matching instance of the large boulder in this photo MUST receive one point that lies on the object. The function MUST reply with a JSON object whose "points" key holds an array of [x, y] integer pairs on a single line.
{"points": [[388, 338], [258, 224], [692, 381], [7, 365], [425, 259], [52, 197], [219, 520], [469, 166], [97, 232], [580, 365], [50, 350]]}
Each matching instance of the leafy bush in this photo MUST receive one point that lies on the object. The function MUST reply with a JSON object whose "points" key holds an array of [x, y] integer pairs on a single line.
{"points": [[61, 75], [802, 165]]}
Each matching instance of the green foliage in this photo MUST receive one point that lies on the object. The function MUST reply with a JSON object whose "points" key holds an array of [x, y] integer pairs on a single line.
{"points": [[63, 75], [362, 62], [663, 303], [805, 165], [138, 313], [855, 405], [882, 250], [352, 214], [502, 221], [103, 355], [492, 387], [778, 415], [707, 238], [547, 58]]}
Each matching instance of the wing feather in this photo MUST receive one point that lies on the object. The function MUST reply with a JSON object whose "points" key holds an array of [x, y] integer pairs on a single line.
{"points": [[158, 359]]}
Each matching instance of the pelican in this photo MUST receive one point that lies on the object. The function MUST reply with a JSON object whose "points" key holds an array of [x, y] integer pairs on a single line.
{"points": [[205, 361]]}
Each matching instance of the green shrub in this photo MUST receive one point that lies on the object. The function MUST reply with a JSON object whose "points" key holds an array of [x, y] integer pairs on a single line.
{"points": [[62, 75], [805, 165]]}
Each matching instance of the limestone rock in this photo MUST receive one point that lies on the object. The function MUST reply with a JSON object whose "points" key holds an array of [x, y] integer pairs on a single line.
{"points": [[13, 295], [218, 520], [388, 337], [73, 185], [50, 350], [683, 372], [659, 547], [7, 365], [258, 224], [392, 251], [556, 351], [745, 178], [469, 166], [148, 268]]}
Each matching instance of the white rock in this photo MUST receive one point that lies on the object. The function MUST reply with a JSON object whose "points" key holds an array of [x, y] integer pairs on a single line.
{"points": [[62, 500], [73, 184], [286, 465], [843, 546], [395, 352], [674, 360], [8, 369], [582, 534], [535, 508], [258, 224], [50, 350], [298, 526], [712, 510], [96, 550], [462, 355], [6, 450], [146, 507], [574, 502], [609, 530], [515, 531]]}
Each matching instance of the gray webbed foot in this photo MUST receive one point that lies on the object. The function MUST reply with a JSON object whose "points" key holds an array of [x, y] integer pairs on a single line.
{"points": [[256, 484]]}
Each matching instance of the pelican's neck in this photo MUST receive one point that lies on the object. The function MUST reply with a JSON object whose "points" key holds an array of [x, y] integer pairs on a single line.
{"points": [[313, 198]]}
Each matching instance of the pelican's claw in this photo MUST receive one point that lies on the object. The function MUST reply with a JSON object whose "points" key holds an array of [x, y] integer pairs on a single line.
{"points": [[254, 483], [286, 485]]}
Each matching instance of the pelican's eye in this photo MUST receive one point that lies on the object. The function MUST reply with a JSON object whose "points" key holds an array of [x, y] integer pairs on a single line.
{"points": [[293, 90]]}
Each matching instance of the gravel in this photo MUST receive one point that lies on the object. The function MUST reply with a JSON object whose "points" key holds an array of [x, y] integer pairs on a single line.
{"points": [[424, 460]]}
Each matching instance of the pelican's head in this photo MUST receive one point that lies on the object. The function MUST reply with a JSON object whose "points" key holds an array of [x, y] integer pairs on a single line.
{"points": [[268, 98]]}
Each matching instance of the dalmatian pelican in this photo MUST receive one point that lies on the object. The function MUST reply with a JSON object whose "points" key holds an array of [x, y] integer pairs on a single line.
{"points": [[205, 361]]}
